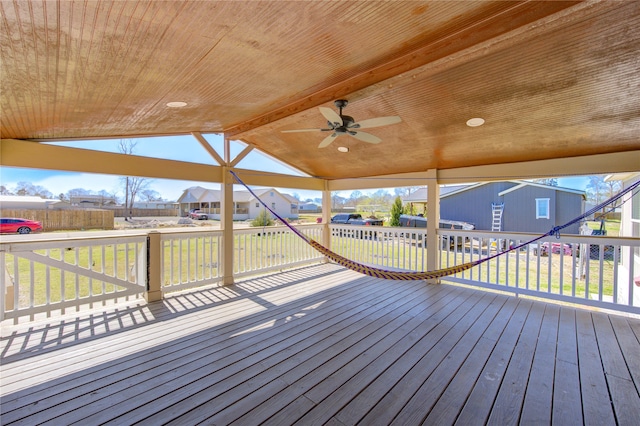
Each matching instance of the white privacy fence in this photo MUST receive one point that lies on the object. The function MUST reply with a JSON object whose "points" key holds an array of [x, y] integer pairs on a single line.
{"points": [[62, 274]]}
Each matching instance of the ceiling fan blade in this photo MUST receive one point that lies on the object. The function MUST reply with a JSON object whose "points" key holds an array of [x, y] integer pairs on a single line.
{"points": [[376, 122], [303, 130], [331, 116], [366, 137], [327, 141]]}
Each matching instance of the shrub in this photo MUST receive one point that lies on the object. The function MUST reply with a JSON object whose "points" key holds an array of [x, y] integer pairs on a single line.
{"points": [[396, 211], [263, 219]]}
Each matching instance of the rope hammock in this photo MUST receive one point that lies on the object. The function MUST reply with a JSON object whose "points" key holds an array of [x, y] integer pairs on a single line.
{"points": [[426, 275]]}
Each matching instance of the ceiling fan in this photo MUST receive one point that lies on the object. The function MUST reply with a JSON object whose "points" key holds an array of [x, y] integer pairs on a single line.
{"points": [[340, 124]]}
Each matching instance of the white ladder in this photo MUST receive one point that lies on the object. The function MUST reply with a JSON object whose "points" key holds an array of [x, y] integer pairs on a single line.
{"points": [[496, 212]]}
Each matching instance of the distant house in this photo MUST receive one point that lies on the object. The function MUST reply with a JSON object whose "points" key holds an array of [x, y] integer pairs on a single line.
{"points": [[629, 227], [510, 206], [310, 207], [156, 205], [245, 205], [92, 201], [27, 202]]}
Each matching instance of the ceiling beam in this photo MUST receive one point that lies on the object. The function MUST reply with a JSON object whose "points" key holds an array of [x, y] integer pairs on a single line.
{"points": [[601, 164], [205, 144], [35, 155], [520, 14]]}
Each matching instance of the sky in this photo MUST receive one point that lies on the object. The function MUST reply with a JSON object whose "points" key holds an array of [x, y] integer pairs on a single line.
{"points": [[181, 148]]}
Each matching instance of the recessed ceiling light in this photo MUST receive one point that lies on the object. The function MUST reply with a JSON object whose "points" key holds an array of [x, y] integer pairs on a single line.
{"points": [[343, 149], [176, 104], [475, 122]]}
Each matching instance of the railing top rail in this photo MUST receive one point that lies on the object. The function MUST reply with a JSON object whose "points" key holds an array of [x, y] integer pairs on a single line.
{"points": [[522, 236], [45, 243], [279, 228]]}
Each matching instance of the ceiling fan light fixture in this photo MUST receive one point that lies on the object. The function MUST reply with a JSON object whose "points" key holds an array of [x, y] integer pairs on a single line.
{"points": [[475, 122], [343, 149], [177, 104]]}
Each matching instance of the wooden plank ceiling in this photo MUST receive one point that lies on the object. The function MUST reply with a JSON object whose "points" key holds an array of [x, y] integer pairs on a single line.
{"points": [[550, 79]]}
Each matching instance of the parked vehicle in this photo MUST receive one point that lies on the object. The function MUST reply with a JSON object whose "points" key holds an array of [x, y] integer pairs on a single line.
{"points": [[12, 225], [409, 221], [197, 215], [355, 219], [448, 242], [555, 248]]}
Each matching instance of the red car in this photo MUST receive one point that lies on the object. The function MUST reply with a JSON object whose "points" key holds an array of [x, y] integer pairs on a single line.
{"points": [[10, 225]]}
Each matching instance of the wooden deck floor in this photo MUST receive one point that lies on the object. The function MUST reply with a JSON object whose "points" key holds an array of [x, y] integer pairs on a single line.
{"points": [[324, 345]]}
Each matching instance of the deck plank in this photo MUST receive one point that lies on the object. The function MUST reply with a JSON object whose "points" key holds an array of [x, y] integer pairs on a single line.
{"points": [[123, 368], [567, 400], [323, 344], [450, 403], [374, 328], [481, 400], [424, 358], [508, 404], [434, 309], [593, 385], [625, 399], [423, 400], [629, 345], [537, 407], [188, 376]]}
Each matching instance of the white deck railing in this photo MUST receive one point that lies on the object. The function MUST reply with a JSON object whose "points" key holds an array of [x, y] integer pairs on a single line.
{"points": [[58, 273], [52, 274], [258, 250], [190, 259], [589, 270]]}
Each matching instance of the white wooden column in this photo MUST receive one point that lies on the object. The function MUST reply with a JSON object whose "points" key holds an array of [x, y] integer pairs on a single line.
{"points": [[154, 268], [433, 222], [326, 217], [226, 218]]}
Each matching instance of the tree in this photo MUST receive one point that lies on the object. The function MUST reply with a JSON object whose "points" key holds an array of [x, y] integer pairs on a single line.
{"points": [[5, 191], [24, 188], [132, 185], [77, 192], [595, 188], [396, 210], [150, 195], [548, 181], [405, 191]]}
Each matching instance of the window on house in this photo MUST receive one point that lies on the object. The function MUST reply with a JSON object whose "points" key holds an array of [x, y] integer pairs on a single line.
{"points": [[273, 206], [271, 193], [542, 208], [257, 204]]}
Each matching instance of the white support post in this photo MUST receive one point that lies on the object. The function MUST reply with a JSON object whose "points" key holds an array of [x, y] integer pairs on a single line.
{"points": [[154, 267], [226, 218], [326, 217], [433, 222]]}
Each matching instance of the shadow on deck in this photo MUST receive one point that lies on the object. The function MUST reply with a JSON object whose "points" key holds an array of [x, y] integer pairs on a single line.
{"points": [[325, 345]]}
